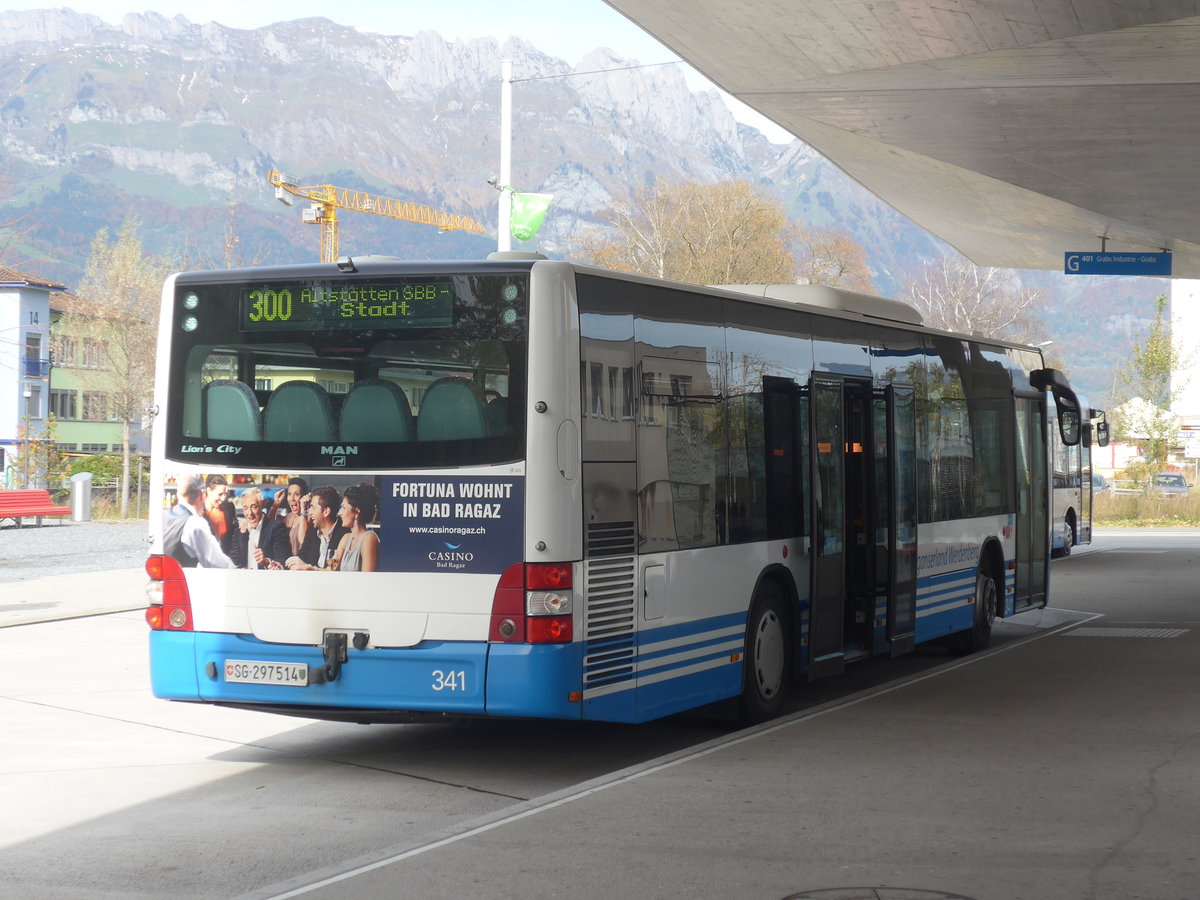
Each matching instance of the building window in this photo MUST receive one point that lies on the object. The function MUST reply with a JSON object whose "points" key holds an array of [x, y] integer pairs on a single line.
{"points": [[262, 384], [63, 350], [95, 406], [35, 366], [93, 353], [95, 448], [626, 393], [67, 448], [64, 404], [597, 390], [33, 401]]}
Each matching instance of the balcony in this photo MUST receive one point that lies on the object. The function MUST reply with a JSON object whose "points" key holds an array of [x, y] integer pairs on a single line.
{"points": [[36, 368]]}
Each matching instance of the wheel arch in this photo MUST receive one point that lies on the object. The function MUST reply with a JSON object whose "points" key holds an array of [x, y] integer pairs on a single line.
{"points": [[785, 581]]}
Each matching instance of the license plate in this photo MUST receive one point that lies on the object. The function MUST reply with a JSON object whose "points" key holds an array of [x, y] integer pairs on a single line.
{"points": [[253, 671]]}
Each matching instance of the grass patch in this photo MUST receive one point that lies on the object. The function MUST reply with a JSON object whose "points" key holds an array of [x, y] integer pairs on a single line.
{"points": [[1141, 510]]}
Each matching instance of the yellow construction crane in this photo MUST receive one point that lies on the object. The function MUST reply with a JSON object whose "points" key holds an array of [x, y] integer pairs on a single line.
{"points": [[327, 200]]}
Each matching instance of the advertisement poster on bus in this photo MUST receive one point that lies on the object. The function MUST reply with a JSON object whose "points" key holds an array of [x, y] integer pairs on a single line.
{"points": [[318, 521]]}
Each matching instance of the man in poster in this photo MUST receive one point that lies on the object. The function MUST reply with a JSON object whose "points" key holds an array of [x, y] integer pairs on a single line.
{"points": [[321, 540], [261, 543]]}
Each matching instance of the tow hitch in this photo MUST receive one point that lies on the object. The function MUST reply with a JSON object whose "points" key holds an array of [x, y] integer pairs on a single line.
{"points": [[334, 652]]}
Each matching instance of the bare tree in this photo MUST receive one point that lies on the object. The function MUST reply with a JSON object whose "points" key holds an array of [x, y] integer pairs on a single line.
{"points": [[955, 295], [834, 258], [230, 250], [13, 229], [727, 233], [122, 285]]}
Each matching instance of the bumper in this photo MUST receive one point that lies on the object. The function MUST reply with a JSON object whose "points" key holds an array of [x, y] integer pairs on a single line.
{"points": [[451, 677]]}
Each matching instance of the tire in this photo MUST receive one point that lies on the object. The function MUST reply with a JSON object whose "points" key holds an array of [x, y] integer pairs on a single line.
{"points": [[980, 633], [1069, 542], [768, 658]]}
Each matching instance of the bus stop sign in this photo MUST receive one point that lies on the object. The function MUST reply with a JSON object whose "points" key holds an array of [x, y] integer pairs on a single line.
{"points": [[1079, 262]]}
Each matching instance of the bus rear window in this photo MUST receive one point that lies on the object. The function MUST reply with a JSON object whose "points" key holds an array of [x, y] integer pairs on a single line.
{"points": [[262, 375]]}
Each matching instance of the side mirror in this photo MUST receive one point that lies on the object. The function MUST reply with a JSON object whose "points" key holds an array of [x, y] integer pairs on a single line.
{"points": [[1068, 426], [1064, 399], [1102, 434]]}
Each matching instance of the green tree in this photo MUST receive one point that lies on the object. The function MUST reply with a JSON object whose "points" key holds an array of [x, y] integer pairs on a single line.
{"points": [[1145, 392], [122, 284], [726, 233]]}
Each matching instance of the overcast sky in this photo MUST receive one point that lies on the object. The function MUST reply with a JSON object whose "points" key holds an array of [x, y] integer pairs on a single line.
{"points": [[567, 29]]}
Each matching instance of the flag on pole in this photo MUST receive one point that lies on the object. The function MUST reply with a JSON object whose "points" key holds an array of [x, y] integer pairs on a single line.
{"points": [[528, 211]]}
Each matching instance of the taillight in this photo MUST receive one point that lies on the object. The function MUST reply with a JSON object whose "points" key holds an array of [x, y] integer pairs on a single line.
{"points": [[533, 604], [170, 606]]}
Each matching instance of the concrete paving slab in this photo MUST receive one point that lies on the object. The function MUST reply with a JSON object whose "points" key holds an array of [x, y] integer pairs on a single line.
{"points": [[1043, 770], [71, 596]]}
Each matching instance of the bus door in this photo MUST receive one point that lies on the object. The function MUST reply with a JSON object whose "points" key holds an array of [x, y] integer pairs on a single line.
{"points": [[1033, 495], [896, 455], [826, 653], [1084, 526]]}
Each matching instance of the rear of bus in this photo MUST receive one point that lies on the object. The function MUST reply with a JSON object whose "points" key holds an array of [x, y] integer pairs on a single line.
{"points": [[408, 385]]}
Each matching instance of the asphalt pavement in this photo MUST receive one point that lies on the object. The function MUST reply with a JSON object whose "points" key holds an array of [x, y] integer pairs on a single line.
{"points": [[64, 570], [1064, 763]]}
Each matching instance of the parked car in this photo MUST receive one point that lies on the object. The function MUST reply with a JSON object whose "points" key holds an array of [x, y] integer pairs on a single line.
{"points": [[1168, 484], [1101, 485]]}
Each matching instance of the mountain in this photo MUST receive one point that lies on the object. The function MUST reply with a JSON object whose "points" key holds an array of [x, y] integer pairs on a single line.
{"points": [[179, 123]]}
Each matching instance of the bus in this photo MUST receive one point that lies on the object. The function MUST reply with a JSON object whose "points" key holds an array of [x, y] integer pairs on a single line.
{"points": [[1071, 476], [585, 494]]}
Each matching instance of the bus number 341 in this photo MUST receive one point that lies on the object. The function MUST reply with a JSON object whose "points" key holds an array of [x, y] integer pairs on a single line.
{"points": [[270, 306], [449, 681]]}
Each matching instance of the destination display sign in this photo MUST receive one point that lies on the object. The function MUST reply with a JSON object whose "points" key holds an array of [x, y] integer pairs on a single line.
{"points": [[1081, 262], [331, 305]]}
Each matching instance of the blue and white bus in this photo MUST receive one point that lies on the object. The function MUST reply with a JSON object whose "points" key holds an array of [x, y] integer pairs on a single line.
{"points": [[588, 495], [1071, 476]]}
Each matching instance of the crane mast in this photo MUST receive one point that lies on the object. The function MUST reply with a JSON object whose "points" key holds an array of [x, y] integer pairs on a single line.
{"points": [[327, 199]]}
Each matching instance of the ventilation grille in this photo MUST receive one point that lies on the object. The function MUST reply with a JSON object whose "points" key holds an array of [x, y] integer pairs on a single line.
{"points": [[611, 539], [611, 604]]}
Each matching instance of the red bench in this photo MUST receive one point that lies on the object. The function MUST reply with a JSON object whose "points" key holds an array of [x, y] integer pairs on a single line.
{"points": [[17, 505]]}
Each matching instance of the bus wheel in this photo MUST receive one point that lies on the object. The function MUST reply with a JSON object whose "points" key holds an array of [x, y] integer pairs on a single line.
{"points": [[767, 659], [980, 634], [1069, 541]]}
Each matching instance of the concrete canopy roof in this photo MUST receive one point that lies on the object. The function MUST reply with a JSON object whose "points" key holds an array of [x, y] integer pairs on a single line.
{"points": [[1015, 130]]}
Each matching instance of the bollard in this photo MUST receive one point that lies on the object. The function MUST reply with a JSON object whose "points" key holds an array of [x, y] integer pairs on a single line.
{"points": [[81, 497]]}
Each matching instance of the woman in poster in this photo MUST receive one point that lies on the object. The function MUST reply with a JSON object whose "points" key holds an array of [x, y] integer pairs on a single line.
{"points": [[358, 550], [287, 510]]}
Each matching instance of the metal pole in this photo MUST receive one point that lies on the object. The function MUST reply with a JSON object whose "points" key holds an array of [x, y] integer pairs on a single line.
{"points": [[504, 231], [25, 480]]}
